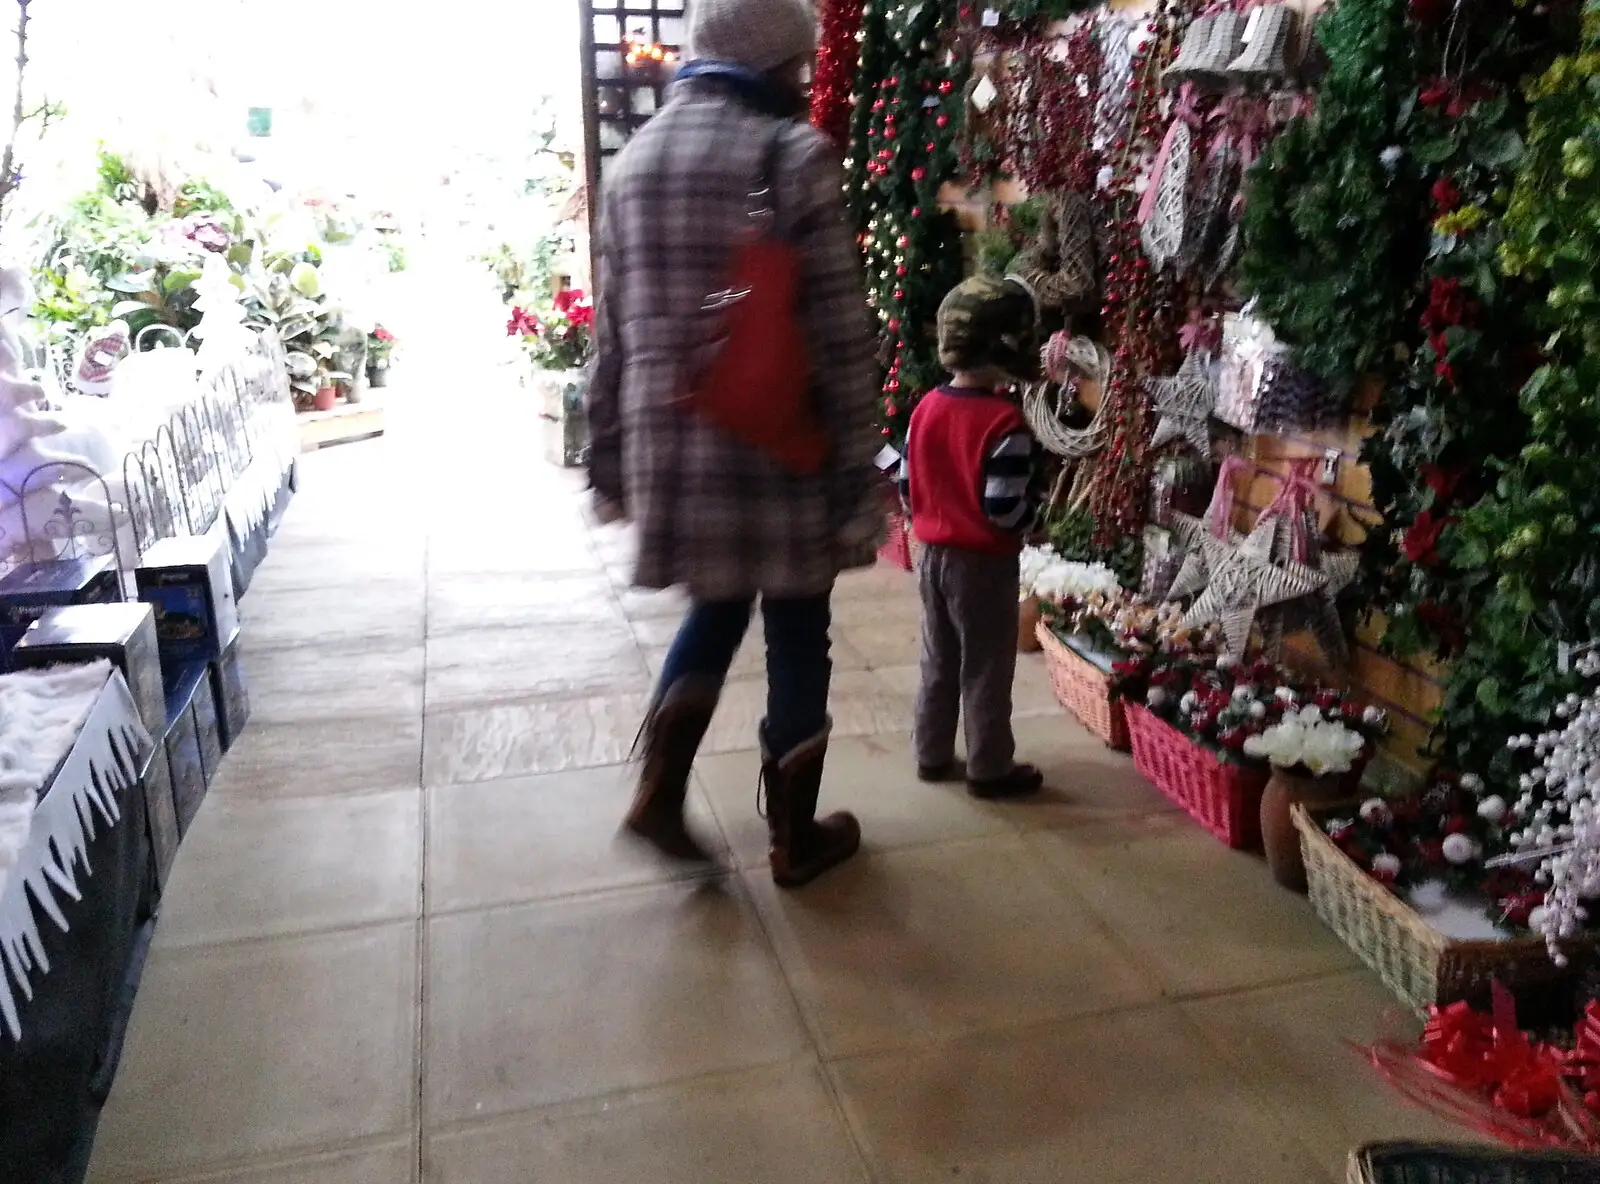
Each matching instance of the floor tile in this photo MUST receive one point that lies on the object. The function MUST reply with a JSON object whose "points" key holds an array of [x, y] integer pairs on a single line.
{"points": [[393, 1163], [640, 603], [553, 1002], [765, 1125], [861, 705], [894, 641], [1133, 1098], [511, 740], [519, 600], [1290, 1045], [485, 666], [307, 567], [251, 868], [334, 680], [1202, 917], [268, 1047], [1084, 780], [916, 944], [387, 612], [323, 756], [872, 776], [507, 550], [532, 838]]}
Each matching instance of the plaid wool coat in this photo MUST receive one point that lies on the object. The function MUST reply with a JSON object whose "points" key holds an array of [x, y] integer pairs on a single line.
{"points": [[712, 514]]}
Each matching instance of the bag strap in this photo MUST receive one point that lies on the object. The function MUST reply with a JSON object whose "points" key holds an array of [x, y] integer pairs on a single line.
{"points": [[764, 196]]}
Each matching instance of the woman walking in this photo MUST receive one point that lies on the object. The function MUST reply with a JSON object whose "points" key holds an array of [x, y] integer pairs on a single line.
{"points": [[724, 518]]}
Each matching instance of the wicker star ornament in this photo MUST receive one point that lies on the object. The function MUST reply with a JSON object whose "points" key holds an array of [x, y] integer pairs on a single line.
{"points": [[1236, 578], [1185, 401]]}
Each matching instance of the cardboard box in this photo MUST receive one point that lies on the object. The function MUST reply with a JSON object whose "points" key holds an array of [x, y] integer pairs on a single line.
{"points": [[188, 584], [31, 588], [184, 755], [232, 695], [162, 811], [124, 633]]}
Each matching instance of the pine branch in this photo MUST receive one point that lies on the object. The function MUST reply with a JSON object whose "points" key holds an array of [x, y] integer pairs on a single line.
{"points": [[8, 163]]}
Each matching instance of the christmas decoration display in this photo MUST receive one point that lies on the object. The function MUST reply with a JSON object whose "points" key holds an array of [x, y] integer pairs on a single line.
{"points": [[1221, 702], [1309, 742], [1481, 1070], [1331, 250], [1526, 544], [1236, 578], [1185, 402], [901, 153], [1447, 424], [1560, 812], [833, 76]]}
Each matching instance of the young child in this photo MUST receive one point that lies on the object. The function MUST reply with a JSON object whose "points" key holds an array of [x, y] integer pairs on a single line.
{"points": [[969, 481]]}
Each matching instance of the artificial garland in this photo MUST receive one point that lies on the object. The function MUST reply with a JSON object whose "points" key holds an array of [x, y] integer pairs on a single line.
{"points": [[1331, 250], [834, 75], [902, 151], [1448, 425], [1535, 536]]}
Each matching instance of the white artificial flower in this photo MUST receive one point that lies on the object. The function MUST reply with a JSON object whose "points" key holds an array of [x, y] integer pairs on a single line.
{"points": [[1155, 696], [1459, 849], [1472, 783], [1376, 812], [1386, 864], [1303, 738], [1258, 710], [1492, 809], [1391, 156]]}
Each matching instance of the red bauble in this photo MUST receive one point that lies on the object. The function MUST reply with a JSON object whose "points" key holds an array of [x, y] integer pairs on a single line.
{"points": [[942, 121], [946, 86], [919, 174]]}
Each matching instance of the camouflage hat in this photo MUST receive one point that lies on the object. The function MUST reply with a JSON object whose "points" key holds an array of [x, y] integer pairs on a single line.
{"points": [[990, 322]]}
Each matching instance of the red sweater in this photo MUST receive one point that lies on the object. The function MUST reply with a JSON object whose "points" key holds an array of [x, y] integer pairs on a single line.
{"points": [[969, 460]]}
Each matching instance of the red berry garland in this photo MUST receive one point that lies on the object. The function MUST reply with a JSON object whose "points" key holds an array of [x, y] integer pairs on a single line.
{"points": [[835, 73]]}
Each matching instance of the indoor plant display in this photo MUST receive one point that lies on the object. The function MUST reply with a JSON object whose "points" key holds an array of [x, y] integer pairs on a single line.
{"points": [[1315, 761], [380, 347], [559, 341]]}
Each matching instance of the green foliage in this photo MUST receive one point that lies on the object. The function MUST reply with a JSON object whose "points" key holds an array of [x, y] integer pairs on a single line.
{"points": [[309, 328], [1447, 427], [1074, 534], [524, 272], [1331, 244], [1533, 541]]}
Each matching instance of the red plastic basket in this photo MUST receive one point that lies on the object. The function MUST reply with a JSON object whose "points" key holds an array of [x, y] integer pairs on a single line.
{"points": [[1223, 798], [1084, 689]]}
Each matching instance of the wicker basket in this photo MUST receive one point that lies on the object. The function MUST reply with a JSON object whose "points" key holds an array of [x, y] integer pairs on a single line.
{"points": [[1224, 798], [1421, 1163], [1084, 689], [1414, 960]]}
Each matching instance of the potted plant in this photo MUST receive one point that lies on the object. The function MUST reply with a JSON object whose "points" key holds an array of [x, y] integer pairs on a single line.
{"points": [[558, 341], [350, 356], [380, 346], [1316, 760]]}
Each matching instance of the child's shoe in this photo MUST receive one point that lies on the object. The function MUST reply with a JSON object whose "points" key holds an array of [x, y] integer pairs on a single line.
{"points": [[939, 774], [1023, 781]]}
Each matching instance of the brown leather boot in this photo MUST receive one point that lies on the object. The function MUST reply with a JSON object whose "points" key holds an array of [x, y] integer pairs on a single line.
{"points": [[803, 846], [670, 738]]}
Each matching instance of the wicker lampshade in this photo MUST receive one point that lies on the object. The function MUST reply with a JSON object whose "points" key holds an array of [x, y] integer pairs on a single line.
{"points": [[1195, 43], [1227, 38], [1265, 58]]}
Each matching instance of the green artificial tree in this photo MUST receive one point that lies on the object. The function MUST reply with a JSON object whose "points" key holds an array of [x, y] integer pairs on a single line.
{"points": [[908, 109], [1331, 244]]}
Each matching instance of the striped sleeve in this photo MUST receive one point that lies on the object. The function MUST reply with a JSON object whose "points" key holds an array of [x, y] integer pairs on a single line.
{"points": [[1009, 489]]}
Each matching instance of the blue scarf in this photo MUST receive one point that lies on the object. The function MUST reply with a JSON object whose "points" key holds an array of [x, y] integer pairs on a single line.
{"points": [[750, 85]]}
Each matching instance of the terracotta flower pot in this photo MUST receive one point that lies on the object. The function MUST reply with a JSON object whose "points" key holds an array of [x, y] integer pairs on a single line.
{"points": [[325, 398], [1028, 626], [1285, 791]]}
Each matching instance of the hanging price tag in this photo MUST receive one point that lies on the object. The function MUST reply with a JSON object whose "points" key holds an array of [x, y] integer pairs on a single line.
{"points": [[991, 18], [886, 459], [984, 94]]}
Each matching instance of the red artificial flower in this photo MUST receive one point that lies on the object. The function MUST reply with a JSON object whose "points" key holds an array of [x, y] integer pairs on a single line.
{"points": [[1436, 93], [1327, 697], [1443, 482], [382, 334], [1447, 305], [1446, 196], [1466, 98], [1233, 739], [1421, 540], [523, 324]]}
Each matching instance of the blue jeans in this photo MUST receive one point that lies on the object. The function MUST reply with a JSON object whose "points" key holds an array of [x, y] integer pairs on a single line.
{"points": [[798, 666]]}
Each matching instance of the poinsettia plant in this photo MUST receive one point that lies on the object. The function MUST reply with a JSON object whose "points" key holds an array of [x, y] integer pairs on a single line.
{"points": [[1222, 702], [560, 337], [380, 347]]}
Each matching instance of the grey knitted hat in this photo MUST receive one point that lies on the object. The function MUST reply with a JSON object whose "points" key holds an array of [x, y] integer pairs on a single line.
{"points": [[760, 34]]}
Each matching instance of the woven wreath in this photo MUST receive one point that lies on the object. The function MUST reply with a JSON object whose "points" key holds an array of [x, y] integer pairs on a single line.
{"points": [[1059, 262]]}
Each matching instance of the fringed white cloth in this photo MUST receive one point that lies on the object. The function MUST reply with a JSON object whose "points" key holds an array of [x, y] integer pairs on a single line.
{"points": [[82, 721]]}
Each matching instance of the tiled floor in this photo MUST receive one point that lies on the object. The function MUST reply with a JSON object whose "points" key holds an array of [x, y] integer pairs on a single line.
{"points": [[402, 945]]}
